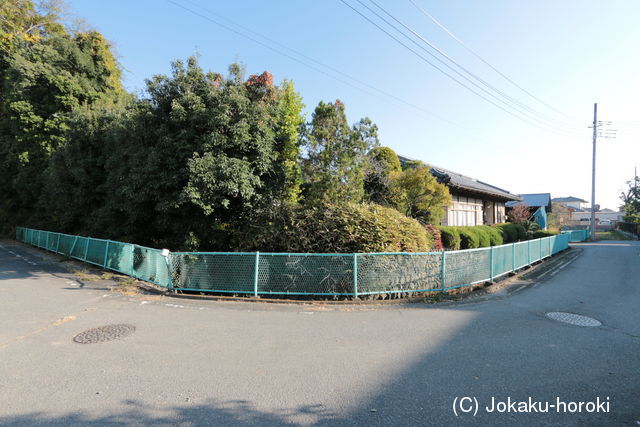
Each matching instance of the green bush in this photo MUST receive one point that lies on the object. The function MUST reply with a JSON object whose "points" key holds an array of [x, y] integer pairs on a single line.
{"points": [[436, 236], [495, 237], [469, 238], [342, 228], [509, 232], [450, 238], [543, 233]]}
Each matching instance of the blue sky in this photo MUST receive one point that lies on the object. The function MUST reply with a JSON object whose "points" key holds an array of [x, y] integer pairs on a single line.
{"points": [[568, 53]]}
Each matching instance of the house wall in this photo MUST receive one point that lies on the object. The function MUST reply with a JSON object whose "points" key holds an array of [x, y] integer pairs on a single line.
{"points": [[463, 211], [473, 211]]}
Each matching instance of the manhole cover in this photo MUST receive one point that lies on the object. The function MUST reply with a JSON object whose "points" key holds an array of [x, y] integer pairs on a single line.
{"points": [[573, 319], [104, 334]]}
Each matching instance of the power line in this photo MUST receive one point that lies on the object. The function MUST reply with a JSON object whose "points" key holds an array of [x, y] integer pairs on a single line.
{"points": [[469, 49], [519, 105], [444, 72], [450, 123]]}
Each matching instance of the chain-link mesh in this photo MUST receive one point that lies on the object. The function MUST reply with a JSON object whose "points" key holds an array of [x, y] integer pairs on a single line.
{"points": [[502, 259], [466, 267], [120, 257], [79, 248], [150, 265], [215, 272], [545, 247], [522, 254], [577, 235], [303, 274], [66, 243], [96, 251], [535, 249], [396, 273]]}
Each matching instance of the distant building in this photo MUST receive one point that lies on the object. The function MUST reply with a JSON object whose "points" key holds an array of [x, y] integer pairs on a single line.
{"points": [[572, 202], [473, 202], [535, 200], [539, 205]]}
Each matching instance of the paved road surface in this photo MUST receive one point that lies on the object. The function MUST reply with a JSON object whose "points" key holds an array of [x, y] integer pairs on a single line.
{"points": [[228, 363]]}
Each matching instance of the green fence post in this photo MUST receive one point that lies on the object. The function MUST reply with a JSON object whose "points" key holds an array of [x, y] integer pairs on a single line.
{"points": [[133, 251], [491, 264], [540, 246], [166, 253], [355, 275], [86, 248], [444, 269], [513, 257], [106, 254], [255, 274], [529, 252], [47, 242], [550, 249], [75, 240], [58, 244]]}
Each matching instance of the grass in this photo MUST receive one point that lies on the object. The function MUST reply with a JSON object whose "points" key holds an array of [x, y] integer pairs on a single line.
{"points": [[611, 235]]}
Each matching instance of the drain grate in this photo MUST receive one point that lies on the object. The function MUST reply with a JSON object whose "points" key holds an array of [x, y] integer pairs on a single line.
{"points": [[104, 334], [573, 319]]}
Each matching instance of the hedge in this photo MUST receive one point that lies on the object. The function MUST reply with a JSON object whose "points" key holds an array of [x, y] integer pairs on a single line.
{"points": [[450, 238], [342, 228], [511, 232]]}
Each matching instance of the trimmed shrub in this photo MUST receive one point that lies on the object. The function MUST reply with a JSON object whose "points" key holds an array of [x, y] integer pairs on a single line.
{"points": [[495, 237], [522, 232], [484, 239], [542, 233], [469, 238], [436, 236], [509, 232], [450, 238], [343, 228]]}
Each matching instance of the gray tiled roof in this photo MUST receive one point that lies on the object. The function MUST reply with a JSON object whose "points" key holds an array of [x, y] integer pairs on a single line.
{"points": [[457, 180]]}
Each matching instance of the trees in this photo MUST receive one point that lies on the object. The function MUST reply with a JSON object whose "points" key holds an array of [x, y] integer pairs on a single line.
{"points": [[46, 72], [383, 168], [519, 214], [418, 195], [335, 162], [631, 200]]}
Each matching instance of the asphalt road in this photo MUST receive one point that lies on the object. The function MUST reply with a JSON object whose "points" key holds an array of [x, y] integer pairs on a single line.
{"points": [[227, 363]]}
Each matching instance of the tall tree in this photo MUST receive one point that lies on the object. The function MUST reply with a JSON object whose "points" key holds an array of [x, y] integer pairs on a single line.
{"points": [[631, 200], [46, 72], [384, 166], [420, 195], [335, 162]]}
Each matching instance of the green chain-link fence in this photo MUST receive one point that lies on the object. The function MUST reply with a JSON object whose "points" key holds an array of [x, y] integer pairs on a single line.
{"points": [[303, 274]]}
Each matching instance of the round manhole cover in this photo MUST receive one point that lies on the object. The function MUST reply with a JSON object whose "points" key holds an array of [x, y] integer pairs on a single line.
{"points": [[104, 334], [573, 319]]}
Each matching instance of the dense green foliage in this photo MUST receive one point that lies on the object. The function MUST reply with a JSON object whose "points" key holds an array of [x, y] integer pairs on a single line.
{"points": [[200, 160], [470, 238], [512, 232], [420, 196], [46, 72], [341, 228], [336, 160], [450, 237], [384, 167], [631, 201]]}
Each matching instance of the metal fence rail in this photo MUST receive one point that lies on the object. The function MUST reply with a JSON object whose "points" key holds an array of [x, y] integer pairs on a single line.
{"points": [[349, 275]]}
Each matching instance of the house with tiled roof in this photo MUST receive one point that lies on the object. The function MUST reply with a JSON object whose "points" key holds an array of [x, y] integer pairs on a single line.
{"points": [[474, 202]]}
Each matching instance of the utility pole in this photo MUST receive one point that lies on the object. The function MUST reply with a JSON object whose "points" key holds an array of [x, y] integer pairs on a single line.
{"points": [[593, 173]]}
